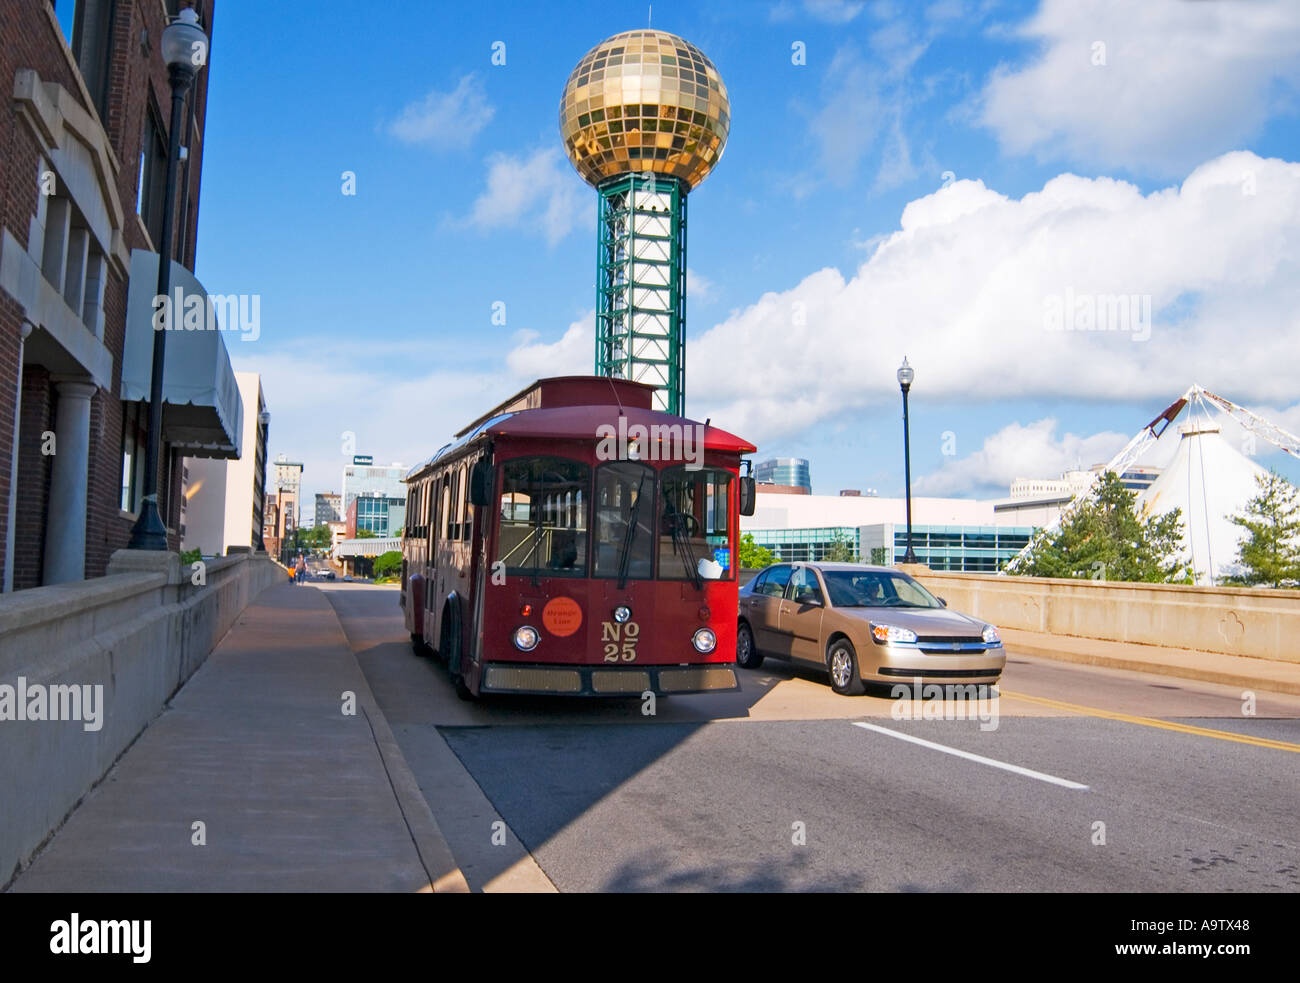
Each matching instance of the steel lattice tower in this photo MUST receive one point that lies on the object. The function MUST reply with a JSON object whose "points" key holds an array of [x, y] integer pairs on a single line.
{"points": [[645, 118]]}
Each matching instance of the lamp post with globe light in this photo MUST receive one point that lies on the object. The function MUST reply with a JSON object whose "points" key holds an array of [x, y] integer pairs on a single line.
{"points": [[185, 52], [905, 377]]}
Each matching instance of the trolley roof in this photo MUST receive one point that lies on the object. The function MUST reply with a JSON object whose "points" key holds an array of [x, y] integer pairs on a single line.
{"points": [[577, 408]]}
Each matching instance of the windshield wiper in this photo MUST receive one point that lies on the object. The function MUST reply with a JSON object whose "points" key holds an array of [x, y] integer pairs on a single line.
{"points": [[629, 536], [682, 543]]}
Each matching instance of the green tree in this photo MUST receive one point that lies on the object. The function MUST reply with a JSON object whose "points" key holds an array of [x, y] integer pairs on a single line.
{"points": [[1107, 539], [1270, 552], [388, 564], [840, 550], [753, 556], [367, 534]]}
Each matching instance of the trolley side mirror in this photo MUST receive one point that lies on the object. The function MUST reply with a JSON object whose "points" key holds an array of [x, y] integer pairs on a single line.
{"points": [[748, 496], [480, 482]]}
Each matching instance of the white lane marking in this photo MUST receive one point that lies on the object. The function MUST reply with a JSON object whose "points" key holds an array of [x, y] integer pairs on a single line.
{"points": [[1029, 773]]}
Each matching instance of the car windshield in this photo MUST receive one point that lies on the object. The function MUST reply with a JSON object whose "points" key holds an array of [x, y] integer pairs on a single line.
{"points": [[876, 589]]}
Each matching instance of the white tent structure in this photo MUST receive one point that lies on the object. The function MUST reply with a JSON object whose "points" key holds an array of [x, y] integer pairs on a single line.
{"points": [[1209, 480]]}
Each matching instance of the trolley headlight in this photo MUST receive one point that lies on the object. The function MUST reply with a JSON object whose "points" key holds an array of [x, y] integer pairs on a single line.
{"points": [[704, 640], [991, 636], [622, 614], [526, 638], [892, 633]]}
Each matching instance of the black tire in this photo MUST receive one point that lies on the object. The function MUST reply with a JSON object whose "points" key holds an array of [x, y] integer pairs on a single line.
{"points": [[747, 656], [448, 649], [842, 667], [419, 647]]}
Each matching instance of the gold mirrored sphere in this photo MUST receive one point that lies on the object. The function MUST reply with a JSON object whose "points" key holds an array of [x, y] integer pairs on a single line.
{"points": [[644, 101]]}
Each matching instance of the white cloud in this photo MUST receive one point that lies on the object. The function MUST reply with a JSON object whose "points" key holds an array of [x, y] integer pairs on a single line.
{"points": [[699, 286], [1181, 81], [963, 285], [538, 191], [445, 120], [828, 11], [1016, 451], [851, 115], [573, 354], [379, 412]]}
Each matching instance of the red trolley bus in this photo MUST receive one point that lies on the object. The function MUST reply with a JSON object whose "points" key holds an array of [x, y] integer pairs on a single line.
{"points": [[574, 540]]}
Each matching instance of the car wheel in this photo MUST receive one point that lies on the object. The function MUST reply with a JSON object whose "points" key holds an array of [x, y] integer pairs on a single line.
{"points": [[842, 664], [419, 647], [747, 657]]}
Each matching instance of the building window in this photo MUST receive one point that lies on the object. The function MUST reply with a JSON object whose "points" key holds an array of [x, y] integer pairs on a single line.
{"points": [[152, 179], [134, 438], [92, 46]]}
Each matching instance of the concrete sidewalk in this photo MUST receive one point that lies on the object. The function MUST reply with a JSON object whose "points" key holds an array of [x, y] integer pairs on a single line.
{"points": [[1227, 670], [293, 794]]}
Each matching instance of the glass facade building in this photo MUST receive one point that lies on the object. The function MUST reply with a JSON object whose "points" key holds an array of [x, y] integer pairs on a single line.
{"points": [[968, 549], [792, 471], [381, 515], [365, 479]]}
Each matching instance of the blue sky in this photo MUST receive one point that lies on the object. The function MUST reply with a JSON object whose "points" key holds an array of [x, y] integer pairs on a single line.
{"points": [[921, 186]]}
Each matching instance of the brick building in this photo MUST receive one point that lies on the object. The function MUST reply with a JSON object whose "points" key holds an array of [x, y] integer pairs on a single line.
{"points": [[83, 155]]}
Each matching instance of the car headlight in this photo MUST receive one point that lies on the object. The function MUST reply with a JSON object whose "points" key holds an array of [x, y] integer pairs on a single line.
{"points": [[991, 636], [526, 638], [704, 640], [892, 633], [622, 614]]}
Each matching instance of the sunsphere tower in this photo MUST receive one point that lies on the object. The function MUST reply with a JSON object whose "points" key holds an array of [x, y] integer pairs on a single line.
{"points": [[644, 119]]}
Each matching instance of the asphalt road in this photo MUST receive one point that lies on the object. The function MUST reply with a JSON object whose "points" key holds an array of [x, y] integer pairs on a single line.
{"points": [[1085, 779]]}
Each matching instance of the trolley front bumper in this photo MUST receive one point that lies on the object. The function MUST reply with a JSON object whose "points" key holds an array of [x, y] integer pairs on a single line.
{"points": [[510, 677]]}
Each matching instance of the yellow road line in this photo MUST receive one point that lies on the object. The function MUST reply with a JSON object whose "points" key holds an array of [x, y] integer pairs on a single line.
{"points": [[1223, 735]]}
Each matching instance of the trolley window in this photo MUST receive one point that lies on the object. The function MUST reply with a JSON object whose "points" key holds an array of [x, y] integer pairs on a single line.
{"points": [[543, 517], [624, 517], [694, 523]]}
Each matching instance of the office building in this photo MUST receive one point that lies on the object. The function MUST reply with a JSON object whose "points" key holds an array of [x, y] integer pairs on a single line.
{"points": [[791, 472], [223, 499], [83, 154], [363, 478], [329, 508]]}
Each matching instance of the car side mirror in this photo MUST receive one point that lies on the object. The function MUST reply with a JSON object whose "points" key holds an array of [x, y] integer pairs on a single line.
{"points": [[748, 496], [480, 482], [942, 602], [808, 596]]}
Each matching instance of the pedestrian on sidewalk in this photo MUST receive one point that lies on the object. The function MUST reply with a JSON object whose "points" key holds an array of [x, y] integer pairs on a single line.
{"points": [[302, 568]]}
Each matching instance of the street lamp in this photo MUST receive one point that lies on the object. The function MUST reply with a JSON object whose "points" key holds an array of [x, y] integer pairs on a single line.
{"points": [[185, 51], [905, 377], [264, 418]]}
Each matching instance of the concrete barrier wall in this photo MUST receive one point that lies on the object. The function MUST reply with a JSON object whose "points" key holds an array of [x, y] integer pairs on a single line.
{"points": [[1262, 623], [138, 633]]}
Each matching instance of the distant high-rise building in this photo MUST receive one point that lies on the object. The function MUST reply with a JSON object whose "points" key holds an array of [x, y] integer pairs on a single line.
{"points": [[288, 485], [369, 479], [329, 508], [789, 471]]}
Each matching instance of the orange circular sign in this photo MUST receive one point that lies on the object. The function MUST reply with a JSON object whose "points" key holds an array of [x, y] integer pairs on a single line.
{"points": [[562, 616]]}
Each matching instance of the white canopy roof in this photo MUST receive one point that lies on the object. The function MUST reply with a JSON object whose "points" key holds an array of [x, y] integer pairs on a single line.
{"points": [[1210, 481]]}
